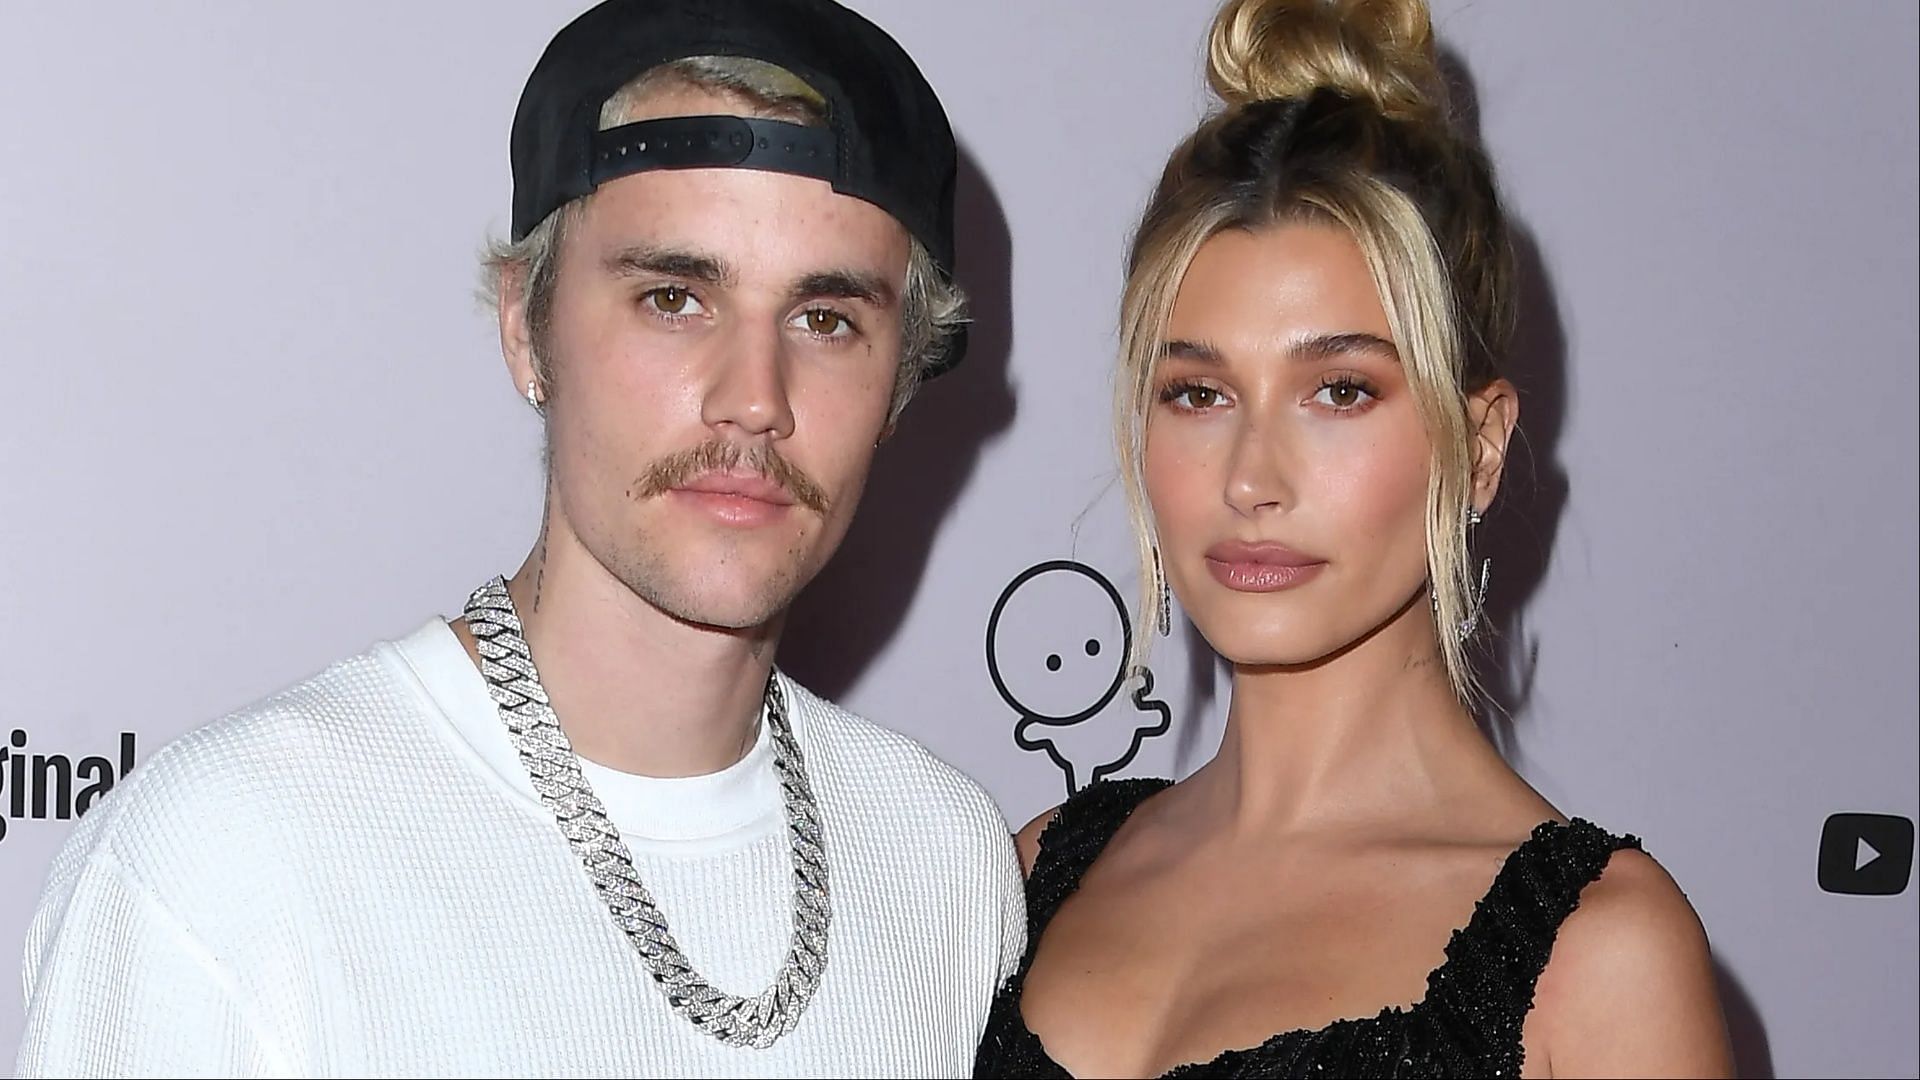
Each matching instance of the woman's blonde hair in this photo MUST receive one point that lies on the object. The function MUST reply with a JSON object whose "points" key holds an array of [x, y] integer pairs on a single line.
{"points": [[1334, 111]]}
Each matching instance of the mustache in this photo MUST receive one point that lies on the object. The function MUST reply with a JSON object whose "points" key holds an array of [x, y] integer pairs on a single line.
{"points": [[716, 455]]}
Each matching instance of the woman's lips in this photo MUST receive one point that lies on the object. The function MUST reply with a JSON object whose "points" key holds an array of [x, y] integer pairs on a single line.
{"points": [[1262, 567]]}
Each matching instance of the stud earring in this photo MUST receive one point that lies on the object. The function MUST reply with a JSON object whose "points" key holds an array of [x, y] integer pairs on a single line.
{"points": [[533, 393]]}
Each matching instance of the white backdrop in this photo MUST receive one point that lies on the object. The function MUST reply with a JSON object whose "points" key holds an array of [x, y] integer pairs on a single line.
{"points": [[255, 418]]}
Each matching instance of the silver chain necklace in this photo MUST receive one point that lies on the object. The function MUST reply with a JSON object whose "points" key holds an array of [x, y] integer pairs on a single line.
{"points": [[507, 665]]}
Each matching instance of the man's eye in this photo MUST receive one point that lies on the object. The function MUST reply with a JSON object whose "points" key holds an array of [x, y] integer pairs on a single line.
{"points": [[826, 322], [673, 300]]}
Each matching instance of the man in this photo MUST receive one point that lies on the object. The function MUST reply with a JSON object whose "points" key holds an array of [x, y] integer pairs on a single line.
{"points": [[588, 828]]}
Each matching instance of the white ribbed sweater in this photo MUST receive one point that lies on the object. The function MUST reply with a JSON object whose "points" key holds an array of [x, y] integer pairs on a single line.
{"points": [[355, 878]]}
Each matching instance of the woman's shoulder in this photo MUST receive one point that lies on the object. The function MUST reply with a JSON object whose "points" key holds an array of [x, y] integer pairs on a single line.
{"points": [[1630, 919], [1631, 956], [1100, 807], [1570, 882]]}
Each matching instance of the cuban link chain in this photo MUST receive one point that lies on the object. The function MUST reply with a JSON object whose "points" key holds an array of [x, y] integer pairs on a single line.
{"points": [[506, 663]]}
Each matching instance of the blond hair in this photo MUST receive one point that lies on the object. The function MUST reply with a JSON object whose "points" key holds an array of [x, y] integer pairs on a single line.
{"points": [[932, 308], [1334, 111]]}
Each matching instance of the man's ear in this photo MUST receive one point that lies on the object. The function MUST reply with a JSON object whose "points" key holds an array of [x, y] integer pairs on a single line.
{"points": [[1492, 413], [516, 331]]}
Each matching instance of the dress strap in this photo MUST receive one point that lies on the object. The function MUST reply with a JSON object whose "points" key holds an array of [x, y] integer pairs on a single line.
{"points": [[1495, 961], [1074, 838]]}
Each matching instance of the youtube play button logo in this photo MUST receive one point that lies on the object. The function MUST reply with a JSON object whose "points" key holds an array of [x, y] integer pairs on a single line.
{"points": [[1866, 854]]}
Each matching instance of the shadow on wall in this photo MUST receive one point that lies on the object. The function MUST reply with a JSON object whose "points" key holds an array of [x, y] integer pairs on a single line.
{"points": [[1752, 1056], [1520, 529], [1519, 534], [852, 610]]}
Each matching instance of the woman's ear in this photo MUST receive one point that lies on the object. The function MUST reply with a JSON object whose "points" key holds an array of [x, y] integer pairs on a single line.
{"points": [[1492, 413]]}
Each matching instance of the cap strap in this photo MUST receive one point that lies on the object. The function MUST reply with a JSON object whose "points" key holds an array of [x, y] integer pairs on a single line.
{"points": [[706, 142]]}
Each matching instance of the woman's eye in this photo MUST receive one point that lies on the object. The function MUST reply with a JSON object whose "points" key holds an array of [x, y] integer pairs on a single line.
{"points": [[1198, 397], [826, 322], [673, 300], [1342, 394], [1192, 397]]}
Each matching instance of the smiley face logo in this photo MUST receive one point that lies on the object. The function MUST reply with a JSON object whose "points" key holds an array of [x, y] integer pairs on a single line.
{"points": [[1057, 642], [1057, 645]]}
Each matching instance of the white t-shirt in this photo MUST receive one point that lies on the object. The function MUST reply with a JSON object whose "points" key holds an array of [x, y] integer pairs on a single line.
{"points": [[355, 877]]}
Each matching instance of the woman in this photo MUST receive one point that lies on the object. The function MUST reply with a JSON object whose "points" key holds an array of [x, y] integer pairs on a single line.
{"points": [[1312, 420]]}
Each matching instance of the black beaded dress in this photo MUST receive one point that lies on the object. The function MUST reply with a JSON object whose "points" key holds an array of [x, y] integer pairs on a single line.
{"points": [[1468, 1024]]}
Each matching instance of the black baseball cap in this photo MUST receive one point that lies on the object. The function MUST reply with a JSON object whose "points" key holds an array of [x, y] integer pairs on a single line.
{"points": [[887, 139]]}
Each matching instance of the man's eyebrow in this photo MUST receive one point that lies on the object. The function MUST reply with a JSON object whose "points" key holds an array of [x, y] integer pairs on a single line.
{"points": [[669, 262], [846, 285]]}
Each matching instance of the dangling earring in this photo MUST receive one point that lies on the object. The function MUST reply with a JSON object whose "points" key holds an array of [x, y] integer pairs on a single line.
{"points": [[1166, 598], [1479, 597], [533, 393]]}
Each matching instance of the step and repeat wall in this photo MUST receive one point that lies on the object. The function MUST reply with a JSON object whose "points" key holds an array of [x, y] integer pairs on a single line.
{"points": [[256, 419]]}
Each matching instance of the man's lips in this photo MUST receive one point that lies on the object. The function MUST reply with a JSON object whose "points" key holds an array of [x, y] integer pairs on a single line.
{"points": [[739, 485], [736, 500]]}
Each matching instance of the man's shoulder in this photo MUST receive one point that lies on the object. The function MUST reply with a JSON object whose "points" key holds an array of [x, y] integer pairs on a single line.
{"points": [[894, 773], [253, 767], [286, 732]]}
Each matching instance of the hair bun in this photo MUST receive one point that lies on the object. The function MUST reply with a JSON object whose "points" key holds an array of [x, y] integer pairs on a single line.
{"points": [[1377, 50]]}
